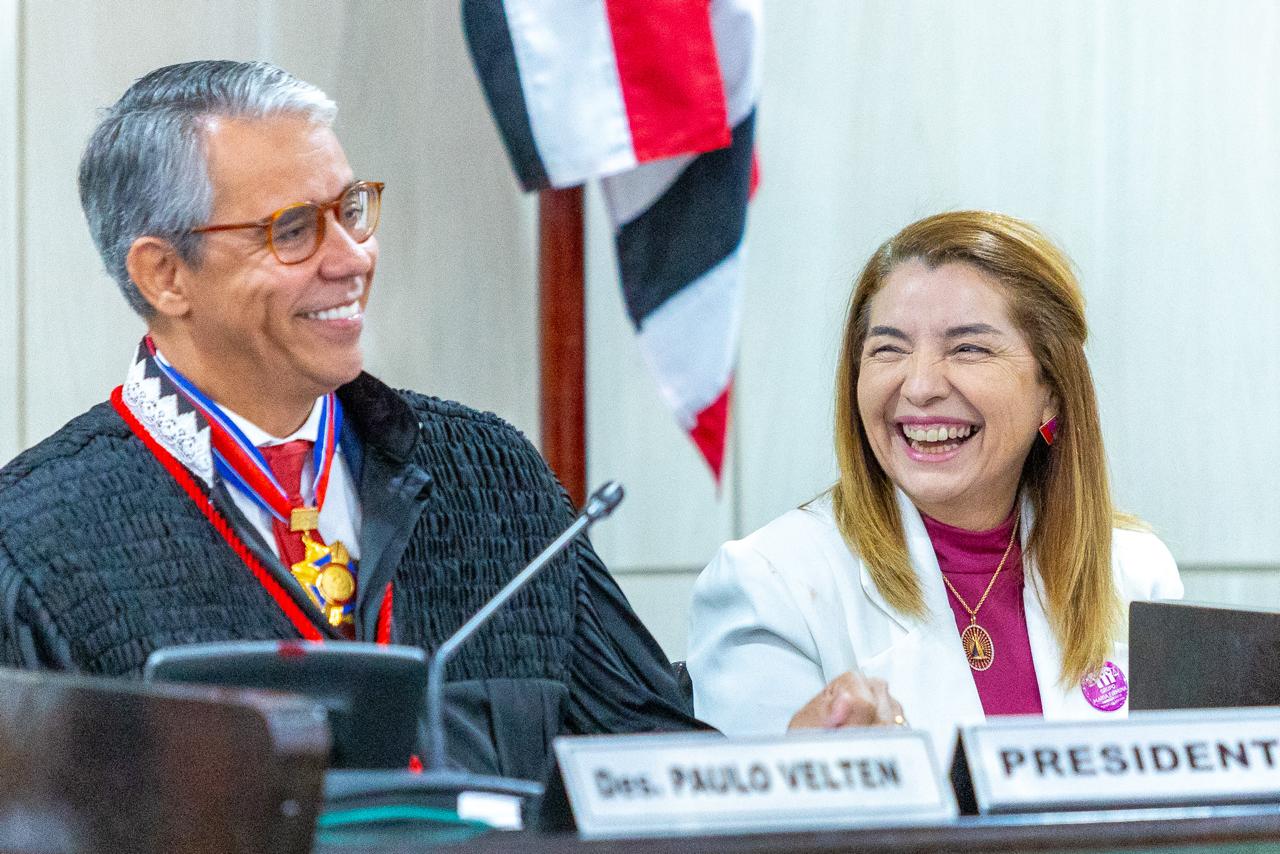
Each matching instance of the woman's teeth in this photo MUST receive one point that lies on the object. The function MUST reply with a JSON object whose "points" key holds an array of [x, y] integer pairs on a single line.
{"points": [[342, 312], [936, 439], [939, 433]]}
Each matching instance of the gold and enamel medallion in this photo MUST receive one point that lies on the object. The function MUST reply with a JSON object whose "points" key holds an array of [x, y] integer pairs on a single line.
{"points": [[336, 582], [978, 648], [325, 573]]}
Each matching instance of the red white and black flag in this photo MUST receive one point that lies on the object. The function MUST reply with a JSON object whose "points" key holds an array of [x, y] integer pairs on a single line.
{"points": [[656, 98]]}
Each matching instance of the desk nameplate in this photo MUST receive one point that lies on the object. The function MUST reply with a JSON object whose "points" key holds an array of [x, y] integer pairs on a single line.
{"points": [[655, 785], [1218, 756]]}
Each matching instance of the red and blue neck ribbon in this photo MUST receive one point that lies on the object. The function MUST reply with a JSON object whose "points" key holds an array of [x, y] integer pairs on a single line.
{"points": [[242, 465]]}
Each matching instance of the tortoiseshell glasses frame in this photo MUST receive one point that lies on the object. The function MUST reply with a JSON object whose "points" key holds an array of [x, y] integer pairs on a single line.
{"points": [[295, 232]]}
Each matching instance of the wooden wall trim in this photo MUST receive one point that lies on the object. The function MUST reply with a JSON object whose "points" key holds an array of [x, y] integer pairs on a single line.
{"points": [[562, 337]]}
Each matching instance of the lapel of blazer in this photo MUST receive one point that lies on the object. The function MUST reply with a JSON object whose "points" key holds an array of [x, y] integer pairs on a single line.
{"points": [[1058, 702], [926, 668], [393, 496], [393, 489], [1046, 653], [925, 563]]}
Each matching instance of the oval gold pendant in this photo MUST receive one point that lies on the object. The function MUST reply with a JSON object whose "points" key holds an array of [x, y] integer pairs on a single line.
{"points": [[978, 647], [336, 584]]}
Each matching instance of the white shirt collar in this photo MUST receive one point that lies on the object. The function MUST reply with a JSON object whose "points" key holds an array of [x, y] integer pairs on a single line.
{"points": [[309, 430]]}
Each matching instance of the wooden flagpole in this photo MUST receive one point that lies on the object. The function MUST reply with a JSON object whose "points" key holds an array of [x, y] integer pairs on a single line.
{"points": [[562, 337]]}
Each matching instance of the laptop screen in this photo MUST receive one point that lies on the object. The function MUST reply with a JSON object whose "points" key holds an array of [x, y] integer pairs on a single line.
{"points": [[1184, 655]]}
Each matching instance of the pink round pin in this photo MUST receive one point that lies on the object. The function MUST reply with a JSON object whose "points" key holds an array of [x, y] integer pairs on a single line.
{"points": [[1106, 688]]}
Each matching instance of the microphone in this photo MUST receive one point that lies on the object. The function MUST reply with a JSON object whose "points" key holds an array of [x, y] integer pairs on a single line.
{"points": [[601, 503], [437, 785]]}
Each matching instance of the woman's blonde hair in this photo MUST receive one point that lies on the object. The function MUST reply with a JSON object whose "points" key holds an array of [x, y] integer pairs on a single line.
{"points": [[1070, 541]]}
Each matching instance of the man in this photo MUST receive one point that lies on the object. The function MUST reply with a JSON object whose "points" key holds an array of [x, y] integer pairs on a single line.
{"points": [[248, 481]]}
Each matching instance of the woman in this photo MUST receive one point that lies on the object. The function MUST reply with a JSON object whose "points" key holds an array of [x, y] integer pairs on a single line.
{"points": [[969, 561]]}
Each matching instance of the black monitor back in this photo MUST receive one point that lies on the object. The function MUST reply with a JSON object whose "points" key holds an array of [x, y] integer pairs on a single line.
{"points": [[374, 694], [1184, 655]]}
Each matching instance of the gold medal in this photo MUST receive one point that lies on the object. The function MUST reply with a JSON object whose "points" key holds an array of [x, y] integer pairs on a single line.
{"points": [[336, 584], [330, 583], [978, 647], [306, 569]]}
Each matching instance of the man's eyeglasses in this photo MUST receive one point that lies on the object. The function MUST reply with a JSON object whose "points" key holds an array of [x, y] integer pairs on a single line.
{"points": [[294, 233]]}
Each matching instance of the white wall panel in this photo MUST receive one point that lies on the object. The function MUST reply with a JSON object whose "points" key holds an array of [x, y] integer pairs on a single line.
{"points": [[1141, 136], [11, 224], [1234, 586]]}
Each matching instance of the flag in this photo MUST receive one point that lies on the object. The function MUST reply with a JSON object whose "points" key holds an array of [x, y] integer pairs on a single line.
{"points": [[657, 99]]}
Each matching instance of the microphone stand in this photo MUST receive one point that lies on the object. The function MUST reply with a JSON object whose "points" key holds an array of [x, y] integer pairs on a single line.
{"points": [[438, 779], [601, 503]]}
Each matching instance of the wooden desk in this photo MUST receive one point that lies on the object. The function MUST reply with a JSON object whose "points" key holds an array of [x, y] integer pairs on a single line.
{"points": [[1236, 830]]}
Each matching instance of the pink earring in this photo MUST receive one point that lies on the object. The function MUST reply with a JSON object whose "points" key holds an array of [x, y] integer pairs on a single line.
{"points": [[1049, 429]]}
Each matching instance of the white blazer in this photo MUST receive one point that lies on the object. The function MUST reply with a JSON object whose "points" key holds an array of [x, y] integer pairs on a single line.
{"points": [[779, 614]]}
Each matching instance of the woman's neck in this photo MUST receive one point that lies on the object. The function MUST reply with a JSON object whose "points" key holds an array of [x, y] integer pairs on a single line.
{"points": [[969, 519]]}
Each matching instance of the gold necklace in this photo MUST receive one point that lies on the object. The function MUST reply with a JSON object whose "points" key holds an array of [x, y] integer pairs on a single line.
{"points": [[978, 648]]}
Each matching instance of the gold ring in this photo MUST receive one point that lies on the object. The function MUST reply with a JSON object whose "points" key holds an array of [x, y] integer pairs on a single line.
{"points": [[899, 720]]}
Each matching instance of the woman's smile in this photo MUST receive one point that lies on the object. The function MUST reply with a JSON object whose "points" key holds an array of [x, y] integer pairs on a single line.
{"points": [[949, 392], [934, 440]]}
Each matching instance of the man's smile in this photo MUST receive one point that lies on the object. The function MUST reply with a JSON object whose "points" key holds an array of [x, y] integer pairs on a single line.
{"points": [[347, 311]]}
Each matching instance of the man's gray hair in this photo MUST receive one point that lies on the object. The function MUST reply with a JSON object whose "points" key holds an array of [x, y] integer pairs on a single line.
{"points": [[144, 171]]}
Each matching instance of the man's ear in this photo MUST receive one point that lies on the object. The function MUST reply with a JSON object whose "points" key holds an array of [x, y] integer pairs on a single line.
{"points": [[154, 266]]}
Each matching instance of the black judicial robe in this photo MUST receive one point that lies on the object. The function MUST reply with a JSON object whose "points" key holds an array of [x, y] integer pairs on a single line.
{"points": [[104, 559]]}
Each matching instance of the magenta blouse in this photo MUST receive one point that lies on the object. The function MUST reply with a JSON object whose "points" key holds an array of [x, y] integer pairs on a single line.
{"points": [[968, 559]]}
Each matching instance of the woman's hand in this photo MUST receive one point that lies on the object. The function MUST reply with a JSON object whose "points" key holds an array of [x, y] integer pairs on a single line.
{"points": [[851, 699]]}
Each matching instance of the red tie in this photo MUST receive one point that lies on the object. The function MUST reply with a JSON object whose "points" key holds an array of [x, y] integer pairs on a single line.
{"points": [[286, 463]]}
